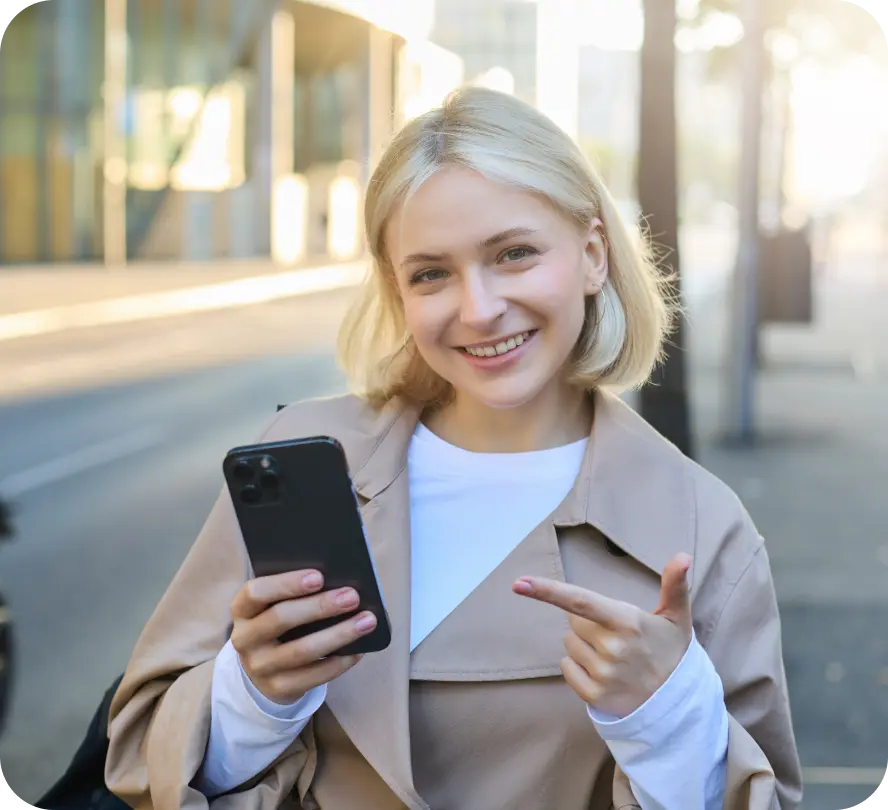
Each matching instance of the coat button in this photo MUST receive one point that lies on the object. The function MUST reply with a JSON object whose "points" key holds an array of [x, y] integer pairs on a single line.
{"points": [[614, 549]]}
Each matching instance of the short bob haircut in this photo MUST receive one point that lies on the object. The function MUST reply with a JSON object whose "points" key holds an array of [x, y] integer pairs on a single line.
{"points": [[510, 142]]}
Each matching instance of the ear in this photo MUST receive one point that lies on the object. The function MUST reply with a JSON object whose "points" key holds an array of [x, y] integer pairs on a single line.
{"points": [[595, 258]]}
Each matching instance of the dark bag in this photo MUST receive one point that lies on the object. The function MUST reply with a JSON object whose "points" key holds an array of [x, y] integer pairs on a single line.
{"points": [[5, 520], [82, 787]]}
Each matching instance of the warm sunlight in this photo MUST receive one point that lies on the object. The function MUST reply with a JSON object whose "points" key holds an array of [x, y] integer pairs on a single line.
{"points": [[611, 26], [619, 26], [410, 20], [841, 126]]}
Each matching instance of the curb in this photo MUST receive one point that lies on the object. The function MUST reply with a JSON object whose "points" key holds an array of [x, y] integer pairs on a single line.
{"points": [[203, 298]]}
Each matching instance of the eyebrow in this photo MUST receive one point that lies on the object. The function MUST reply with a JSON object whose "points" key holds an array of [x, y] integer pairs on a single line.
{"points": [[491, 241]]}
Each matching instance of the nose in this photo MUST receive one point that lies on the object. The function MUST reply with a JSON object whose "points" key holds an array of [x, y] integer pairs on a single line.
{"points": [[480, 305]]}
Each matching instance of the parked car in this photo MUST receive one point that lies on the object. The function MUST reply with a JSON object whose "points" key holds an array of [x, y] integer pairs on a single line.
{"points": [[6, 647]]}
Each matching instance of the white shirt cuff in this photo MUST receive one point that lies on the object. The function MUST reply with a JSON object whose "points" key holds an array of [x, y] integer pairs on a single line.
{"points": [[673, 748], [247, 730], [679, 687], [287, 713]]}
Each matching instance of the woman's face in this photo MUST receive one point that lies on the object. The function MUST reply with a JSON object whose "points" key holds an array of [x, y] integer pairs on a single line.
{"points": [[494, 282]]}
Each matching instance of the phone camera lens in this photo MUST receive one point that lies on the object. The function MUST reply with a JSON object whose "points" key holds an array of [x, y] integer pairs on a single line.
{"points": [[251, 494], [243, 471], [270, 480]]}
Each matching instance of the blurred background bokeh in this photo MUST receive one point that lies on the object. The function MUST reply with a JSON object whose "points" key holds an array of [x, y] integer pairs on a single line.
{"points": [[180, 233]]}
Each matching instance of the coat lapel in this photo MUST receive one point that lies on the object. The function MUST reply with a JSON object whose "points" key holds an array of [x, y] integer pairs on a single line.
{"points": [[496, 635], [633, 488], [370, 701]]}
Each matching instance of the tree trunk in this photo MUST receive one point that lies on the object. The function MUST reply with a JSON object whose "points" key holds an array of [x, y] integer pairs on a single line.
{"points": [[743, 347], [664, 401]]}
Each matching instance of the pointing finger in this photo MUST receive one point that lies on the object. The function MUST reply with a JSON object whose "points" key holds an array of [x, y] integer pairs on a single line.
{"points": [[607, 612]]}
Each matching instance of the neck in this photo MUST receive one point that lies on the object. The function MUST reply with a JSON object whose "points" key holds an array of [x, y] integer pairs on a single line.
{"points": [[555, 418]]}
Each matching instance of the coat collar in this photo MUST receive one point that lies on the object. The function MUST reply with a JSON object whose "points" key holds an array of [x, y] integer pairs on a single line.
{"points": [[634, 486]]}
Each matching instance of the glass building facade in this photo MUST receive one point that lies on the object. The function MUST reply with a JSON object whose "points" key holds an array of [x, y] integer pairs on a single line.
{"points": [[492, 34], [50, 137], [172, 122]]}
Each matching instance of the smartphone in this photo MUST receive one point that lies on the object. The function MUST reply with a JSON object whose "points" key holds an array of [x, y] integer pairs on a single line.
{"points": [[297, 509]]}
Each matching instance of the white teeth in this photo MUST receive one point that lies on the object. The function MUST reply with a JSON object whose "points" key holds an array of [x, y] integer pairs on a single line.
{"points": [[500, 348]]}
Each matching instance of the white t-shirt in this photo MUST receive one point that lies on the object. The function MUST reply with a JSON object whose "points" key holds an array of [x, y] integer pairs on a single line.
{"points": [[469, 511], [459, 525]]}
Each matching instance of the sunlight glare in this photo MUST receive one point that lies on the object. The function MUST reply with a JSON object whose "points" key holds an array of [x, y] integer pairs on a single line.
{"points": [[842, 128]]}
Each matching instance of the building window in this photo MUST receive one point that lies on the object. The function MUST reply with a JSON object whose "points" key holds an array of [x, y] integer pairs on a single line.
{"points": [[214, 157]]}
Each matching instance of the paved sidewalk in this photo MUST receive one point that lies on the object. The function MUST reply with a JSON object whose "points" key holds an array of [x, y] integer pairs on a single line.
{"points": [[816, 483], [817, 476], [39, 300]]}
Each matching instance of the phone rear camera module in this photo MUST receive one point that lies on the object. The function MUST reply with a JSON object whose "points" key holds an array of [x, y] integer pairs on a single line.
{"points": [[243, 470], [251, 494], [269, 480]]}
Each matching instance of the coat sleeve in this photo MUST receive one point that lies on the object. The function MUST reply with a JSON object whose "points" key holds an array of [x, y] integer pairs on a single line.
{"points": [[763, 771], [160, 716]]}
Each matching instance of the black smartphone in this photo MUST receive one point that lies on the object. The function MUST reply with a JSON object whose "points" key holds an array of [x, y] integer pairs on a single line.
{"points": [[297, 509]]}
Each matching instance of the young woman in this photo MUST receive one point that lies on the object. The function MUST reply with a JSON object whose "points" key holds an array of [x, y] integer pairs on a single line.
{"points": [[582, 617]]}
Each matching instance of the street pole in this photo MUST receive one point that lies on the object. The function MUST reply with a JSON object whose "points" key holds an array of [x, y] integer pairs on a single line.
{"points": [[115, 168], [663, 402], [740, 368]]}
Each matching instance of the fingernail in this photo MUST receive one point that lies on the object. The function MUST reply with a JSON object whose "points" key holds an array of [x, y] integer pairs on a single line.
{"points": [[523, 586], [366, 623], [347, 598], [312, 581]]}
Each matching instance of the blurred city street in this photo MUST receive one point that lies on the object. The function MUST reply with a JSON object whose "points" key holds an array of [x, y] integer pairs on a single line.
{"points": [[113, 438], [181, 228], [115, 477]]}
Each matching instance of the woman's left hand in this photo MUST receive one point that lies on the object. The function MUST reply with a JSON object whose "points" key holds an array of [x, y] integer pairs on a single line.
{"points": [[617, 654]]}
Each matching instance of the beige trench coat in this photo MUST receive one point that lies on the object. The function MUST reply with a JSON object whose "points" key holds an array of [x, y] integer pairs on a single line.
{"points": [[478, 717]]}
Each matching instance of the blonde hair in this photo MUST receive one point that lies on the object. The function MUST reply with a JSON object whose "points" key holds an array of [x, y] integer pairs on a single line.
{"points": [[510, 142]]}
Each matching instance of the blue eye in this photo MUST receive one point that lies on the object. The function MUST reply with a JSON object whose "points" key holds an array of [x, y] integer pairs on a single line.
{"points": [[518, 254], [424, 276]]}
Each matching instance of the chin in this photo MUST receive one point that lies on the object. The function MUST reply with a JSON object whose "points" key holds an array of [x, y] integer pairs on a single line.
{"points": [[502, 396]]}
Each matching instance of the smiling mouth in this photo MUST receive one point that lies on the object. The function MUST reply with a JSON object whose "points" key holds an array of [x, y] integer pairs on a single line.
{"points": [[503, 347]]}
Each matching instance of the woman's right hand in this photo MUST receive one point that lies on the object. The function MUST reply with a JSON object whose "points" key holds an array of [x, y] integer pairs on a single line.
{"points": [[267, 607]]}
